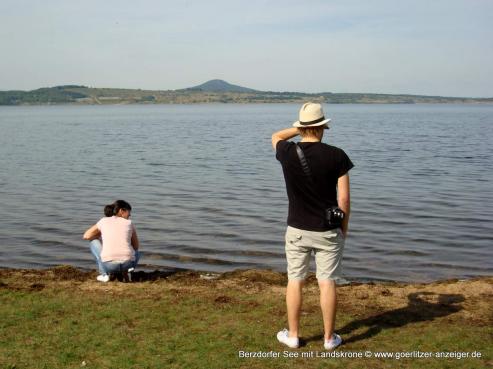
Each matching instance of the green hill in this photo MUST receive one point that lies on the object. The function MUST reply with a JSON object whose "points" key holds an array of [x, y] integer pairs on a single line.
{"points": [[218, 85], [214, 91]]}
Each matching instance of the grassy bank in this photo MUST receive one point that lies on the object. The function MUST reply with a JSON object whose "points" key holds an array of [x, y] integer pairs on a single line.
{"points": [[63, 318]]}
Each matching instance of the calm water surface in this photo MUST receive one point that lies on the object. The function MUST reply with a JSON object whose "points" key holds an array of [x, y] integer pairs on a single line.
{"points": [[208, 193]]}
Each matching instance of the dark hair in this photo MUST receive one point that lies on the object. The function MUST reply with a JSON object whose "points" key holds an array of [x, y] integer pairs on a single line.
{"points": [[108, 210], [114, 208]]}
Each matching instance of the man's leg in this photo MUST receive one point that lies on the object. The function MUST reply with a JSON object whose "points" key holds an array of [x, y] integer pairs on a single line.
{"points": [[293, 302], [298, 260], [328, 304], [328, 257]]}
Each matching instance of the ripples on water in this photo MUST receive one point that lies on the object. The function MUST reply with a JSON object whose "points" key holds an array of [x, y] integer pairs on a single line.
{"points": [[208, 193]]}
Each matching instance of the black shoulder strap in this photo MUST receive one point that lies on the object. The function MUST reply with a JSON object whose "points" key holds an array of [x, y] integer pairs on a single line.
{"points": [[304, 163]]}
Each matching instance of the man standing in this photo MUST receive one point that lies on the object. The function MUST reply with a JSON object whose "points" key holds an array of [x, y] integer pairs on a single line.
{"points": [[320, 183]]}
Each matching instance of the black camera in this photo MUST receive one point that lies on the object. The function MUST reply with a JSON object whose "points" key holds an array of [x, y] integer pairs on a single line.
{"points": [[334, 216]]}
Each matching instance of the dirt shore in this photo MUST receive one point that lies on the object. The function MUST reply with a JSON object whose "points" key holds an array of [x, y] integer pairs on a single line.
{"points": [[470, 299]]}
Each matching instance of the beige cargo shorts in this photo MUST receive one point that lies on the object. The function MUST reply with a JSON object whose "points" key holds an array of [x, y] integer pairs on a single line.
{"points": [[327, 247]]}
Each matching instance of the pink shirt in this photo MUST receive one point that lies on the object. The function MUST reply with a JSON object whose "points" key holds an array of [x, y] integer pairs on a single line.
{"points": [[116, 233]]}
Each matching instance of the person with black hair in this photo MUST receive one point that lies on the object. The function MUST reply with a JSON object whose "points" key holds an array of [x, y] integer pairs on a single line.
{"points": [[119, 250]]}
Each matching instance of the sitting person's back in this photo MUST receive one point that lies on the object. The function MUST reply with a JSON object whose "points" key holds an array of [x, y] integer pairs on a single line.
{"points": [[116, 233]]}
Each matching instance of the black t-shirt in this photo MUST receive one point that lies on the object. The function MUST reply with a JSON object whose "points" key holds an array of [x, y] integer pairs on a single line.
{"points": [[308, 199]]}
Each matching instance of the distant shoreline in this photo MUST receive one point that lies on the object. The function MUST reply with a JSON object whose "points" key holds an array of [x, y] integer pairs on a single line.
{"points": [[245, 103], [82, 95]]}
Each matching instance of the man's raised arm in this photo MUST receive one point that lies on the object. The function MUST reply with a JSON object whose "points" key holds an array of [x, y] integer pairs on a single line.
{"points": [[284, 134]]}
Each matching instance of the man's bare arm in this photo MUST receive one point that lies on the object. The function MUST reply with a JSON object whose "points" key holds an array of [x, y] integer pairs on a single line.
{"points": [[284, 134], [344, 200]]}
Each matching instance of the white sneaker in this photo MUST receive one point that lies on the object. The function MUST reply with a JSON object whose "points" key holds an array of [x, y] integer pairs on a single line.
{"points": [[283, 337], [332, 343], [130, 273], [103, 278]]}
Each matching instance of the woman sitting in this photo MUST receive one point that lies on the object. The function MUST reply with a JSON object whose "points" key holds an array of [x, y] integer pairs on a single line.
{"points": [[118, 252]]}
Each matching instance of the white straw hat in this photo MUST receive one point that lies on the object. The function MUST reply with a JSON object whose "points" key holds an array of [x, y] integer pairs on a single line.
{"points": [[311, 115]]}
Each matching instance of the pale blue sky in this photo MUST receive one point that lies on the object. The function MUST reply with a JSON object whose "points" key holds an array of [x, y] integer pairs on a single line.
{"points": [[439, 47]]}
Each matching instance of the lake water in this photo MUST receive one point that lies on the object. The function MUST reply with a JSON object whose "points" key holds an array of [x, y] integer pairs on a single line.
{"points": [[208, 194]]}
